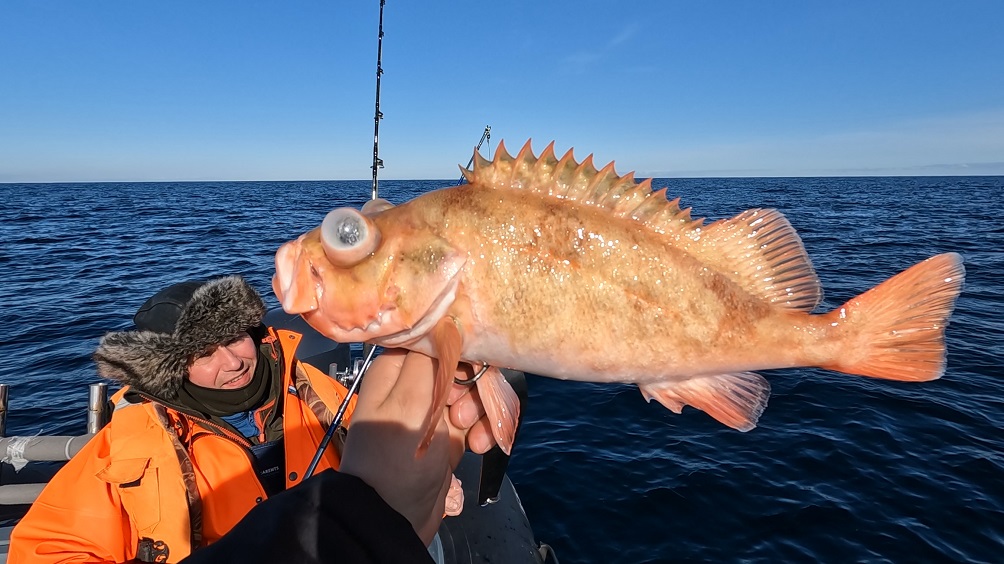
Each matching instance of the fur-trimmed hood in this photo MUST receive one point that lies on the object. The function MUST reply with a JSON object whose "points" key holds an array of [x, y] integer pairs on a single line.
{"points": [[174, 325]]}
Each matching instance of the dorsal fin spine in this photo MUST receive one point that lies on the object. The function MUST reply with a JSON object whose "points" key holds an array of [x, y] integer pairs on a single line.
{"points": [[565, 178], [501, 155], [541, 170], [564, 171], [599, 188], [627, 196], [522, 167], [481, 164], [581, 180], [652, 203]]}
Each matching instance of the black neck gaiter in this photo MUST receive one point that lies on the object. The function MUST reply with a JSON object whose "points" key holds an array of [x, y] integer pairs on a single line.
{"points": [[219, 402]]}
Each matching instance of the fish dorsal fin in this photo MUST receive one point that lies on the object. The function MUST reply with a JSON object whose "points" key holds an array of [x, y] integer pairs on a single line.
{"points": [[567, 179], [757, 249]]}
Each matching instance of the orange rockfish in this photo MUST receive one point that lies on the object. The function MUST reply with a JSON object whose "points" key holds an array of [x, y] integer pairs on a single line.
{"points": [[552, 267]]}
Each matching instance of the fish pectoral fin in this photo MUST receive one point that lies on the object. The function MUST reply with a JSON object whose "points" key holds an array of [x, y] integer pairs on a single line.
{"points": [[736, 400], [501, 407], [448, 343]]}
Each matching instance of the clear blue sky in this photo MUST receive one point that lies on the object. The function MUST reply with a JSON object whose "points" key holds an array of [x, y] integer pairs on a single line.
{"points": [[253, 90]]}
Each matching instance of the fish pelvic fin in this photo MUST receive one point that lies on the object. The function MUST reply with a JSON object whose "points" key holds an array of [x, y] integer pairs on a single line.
{"points": [[737, 400], [448, 343], [760, 251], [501, 407], [902, 322]]}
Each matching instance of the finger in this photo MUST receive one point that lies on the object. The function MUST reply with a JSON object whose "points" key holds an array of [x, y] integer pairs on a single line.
{"points": [[467, 410], [454, 497], [479, 437], [381, 377], [412, 393]]}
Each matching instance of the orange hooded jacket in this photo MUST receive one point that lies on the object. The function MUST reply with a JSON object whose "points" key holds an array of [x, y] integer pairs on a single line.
{"points": [[154, 483]]}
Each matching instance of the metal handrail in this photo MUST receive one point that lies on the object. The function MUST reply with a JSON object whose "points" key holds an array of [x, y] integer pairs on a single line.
{"points": [[19, 451]]}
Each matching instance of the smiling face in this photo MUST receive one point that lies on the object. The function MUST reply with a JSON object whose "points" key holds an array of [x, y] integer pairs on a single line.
{"points": [[227, 366]]}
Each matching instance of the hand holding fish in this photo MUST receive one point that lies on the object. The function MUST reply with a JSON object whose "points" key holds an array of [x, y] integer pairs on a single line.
{"points": [[388, 429]]}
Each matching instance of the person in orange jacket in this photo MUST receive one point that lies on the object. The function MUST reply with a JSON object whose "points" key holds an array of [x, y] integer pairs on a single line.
{"points": [[385, 504], [216, 415]]}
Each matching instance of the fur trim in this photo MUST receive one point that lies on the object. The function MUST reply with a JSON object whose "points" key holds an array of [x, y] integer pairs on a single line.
{"points": [[157, 363]]}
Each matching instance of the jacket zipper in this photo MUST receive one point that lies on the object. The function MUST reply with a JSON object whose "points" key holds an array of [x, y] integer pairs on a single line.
{"points": [[221, 430]]}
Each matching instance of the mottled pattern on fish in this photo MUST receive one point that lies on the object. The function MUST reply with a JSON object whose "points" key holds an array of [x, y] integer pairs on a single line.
{"points": [[556, 268]]}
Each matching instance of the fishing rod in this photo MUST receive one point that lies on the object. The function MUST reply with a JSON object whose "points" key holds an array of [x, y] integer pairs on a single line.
{"points": [[487, 135], [337, 420], [369, 350], [377, 114]]}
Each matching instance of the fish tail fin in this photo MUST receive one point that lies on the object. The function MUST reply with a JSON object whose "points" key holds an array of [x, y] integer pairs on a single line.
{"points": [[902, 323]]}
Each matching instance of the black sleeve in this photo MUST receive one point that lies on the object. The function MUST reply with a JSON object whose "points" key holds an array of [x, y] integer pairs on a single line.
{"points": [[331, 517]]}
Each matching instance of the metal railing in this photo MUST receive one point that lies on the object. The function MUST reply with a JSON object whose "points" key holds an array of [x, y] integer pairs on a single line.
{"points": [[19, 451]]}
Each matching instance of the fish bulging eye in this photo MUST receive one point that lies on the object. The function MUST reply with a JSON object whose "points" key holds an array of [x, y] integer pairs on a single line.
{"points": [[373, 207], [348, 237]]}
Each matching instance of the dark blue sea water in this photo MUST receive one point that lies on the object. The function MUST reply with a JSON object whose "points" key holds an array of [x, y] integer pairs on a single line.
{"points": [[840, 469]]}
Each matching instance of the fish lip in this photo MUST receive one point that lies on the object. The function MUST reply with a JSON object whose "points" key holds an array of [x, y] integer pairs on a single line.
{"points": [[287, 259], [283, 278]]}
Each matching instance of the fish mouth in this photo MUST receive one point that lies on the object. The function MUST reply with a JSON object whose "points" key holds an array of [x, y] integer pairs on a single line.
{"points": [[385, 328], [300, 294]]}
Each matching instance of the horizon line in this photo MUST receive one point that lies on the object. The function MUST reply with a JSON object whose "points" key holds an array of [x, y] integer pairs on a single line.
{"points": [[642, 177]]}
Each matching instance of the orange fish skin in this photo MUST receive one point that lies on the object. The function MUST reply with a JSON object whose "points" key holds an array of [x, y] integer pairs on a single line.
{"points": [[558, 277]]}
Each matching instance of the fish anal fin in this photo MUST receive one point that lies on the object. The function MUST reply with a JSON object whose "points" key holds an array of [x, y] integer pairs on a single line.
{"points": [[760, 251], [501, 406], [448, 343], [737, 400], [663, 394]]}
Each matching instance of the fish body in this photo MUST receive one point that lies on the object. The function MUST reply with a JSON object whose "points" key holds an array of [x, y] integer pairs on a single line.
{"points": [[553, 267]]}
